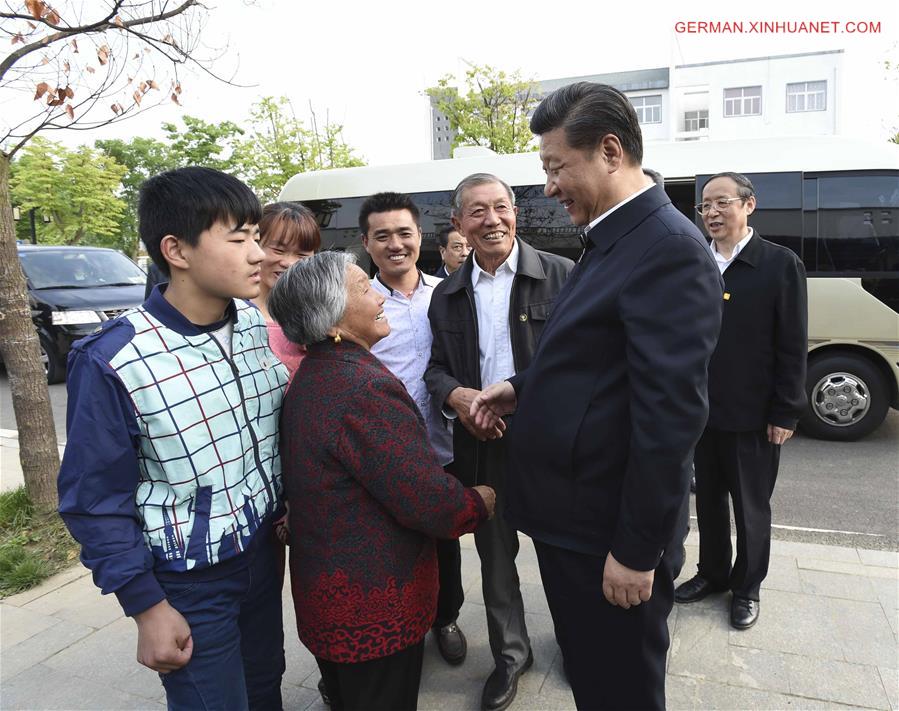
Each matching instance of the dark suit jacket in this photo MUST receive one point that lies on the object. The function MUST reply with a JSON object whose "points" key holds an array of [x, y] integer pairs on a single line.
{"points": [[455, 360], [441, 272], [615, 398], [757, 373]]}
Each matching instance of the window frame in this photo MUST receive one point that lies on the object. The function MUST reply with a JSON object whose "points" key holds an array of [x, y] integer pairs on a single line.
{"points": [[741, 101], [806, 94], [641, 110]]}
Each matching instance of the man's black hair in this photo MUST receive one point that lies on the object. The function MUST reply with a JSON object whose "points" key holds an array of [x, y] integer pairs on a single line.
{"points": [[443, 235], [587, 112], [188, 201], [386, 202]]}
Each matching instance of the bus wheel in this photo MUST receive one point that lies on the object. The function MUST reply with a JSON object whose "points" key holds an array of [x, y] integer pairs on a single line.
{"points": [[847, 398]]}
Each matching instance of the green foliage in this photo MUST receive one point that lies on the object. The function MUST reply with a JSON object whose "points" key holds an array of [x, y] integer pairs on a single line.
{"points": [[15, 508], [76, 189], [494, 112], [32, 546], [202, 143], [20, 569], [278, 146]]}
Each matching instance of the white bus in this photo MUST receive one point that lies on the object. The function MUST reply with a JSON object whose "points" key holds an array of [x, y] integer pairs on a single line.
{"points": [[833, 201]]}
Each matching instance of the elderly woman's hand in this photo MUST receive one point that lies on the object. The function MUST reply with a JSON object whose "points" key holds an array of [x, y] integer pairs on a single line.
{"points": [[488, 496]]}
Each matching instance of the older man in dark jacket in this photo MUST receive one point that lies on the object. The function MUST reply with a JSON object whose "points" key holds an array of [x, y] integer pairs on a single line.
{"points": [[487, 317]]}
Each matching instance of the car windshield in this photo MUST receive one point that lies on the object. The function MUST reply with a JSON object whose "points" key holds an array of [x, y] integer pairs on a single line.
{"points": [[74, 269]]}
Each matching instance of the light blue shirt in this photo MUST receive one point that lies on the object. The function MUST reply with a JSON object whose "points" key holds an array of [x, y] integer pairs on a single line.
{"points": [[407, 350], [492, 294]]}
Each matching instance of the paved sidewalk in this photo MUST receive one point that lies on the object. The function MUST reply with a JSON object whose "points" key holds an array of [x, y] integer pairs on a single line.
{"points": [[827, 638]]}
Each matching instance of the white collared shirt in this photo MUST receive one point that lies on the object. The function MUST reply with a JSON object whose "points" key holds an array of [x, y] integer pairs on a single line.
{"points": [[615, 207], [492, 293], [722, 262], [406, 351]]}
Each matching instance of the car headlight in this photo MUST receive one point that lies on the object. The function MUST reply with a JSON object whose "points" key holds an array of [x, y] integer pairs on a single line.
{"points": [[73, 318]]}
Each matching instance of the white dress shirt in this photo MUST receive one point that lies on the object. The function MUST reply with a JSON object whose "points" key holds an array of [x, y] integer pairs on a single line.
{"points": [[491, 298], [406, 352], [722, 262]]}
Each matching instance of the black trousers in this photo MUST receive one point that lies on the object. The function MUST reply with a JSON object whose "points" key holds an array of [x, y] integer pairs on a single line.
{"points": [[385, 684], [742, 465], [615, 658], [451, 595]]}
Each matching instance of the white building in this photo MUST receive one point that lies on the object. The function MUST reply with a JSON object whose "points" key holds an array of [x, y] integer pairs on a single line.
{"points": [[784, 95]]}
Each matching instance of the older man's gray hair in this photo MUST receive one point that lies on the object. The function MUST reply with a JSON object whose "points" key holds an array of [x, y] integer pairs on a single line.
{"points": [[472, 181], [310, 297]]}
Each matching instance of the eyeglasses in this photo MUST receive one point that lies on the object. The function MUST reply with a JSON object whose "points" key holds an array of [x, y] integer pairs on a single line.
{"points": [[721, 204]]}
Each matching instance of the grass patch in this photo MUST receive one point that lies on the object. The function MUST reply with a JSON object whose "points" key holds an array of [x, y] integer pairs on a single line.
{"points": [[32, 546]]}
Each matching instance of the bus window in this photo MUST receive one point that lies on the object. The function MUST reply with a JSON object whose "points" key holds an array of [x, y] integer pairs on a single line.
{"points": [[857, 230]]}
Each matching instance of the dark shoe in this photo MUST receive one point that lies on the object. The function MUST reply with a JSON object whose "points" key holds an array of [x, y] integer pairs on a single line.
{"points": [[694, 590], [744, 613], [502, 685], [451, 643], [326, 700]]}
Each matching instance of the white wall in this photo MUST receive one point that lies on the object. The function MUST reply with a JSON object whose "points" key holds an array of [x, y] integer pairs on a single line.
{"points": [[772, 75]]}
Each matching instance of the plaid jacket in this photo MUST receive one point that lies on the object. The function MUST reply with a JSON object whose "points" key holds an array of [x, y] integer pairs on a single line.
{"points": [[172, 458]]}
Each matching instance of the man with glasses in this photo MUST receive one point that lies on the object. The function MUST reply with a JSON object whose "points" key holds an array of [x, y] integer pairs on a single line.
{"points": [[756, 396]]}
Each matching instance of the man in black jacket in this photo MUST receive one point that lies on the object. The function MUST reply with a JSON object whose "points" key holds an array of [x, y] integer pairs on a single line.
{"points": [[612, 404], [486, 318], [756, 396]]}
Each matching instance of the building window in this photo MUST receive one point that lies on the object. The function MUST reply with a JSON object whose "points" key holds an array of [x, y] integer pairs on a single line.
{"points": [[743, 101], [806, 96], [696, 120], [648, 108]]}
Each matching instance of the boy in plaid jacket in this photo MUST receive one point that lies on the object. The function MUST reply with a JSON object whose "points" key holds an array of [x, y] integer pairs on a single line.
{"points": [[171, 477]]}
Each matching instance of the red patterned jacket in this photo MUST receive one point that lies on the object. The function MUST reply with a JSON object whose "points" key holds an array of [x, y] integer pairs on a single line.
{"points": [[367, 496]]}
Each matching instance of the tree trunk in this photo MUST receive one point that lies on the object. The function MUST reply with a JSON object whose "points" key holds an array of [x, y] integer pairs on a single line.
{"points": [[20, 349]]}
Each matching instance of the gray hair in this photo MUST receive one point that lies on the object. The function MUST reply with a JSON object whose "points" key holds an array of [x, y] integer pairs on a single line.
{"points": [[745, 189], [472, 181], [655, 175], [310, 297]]}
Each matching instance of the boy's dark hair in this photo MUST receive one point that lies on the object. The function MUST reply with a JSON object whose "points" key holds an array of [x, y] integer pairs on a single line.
{"points": [[386, 202], [186, 202], [587, 112], [443, 235]]}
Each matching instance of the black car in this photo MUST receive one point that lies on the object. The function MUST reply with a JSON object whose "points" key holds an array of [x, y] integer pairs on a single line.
{"points": [[72, 290]]}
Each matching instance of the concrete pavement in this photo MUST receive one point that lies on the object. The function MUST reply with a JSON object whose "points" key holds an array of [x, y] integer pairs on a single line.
{"points": [[826, 638]]}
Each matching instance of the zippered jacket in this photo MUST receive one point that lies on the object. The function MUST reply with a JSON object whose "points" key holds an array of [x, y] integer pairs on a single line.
{"points": [[455, 360], [172, 463]]}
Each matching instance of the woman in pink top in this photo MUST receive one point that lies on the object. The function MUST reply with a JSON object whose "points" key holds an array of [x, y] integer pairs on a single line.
{"points": [[288, 233]]}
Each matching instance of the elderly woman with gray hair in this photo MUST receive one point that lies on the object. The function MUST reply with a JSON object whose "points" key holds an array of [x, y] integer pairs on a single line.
{"points": [[367, 495]]}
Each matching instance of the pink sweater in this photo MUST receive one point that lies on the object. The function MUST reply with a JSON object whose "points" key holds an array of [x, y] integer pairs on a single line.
{"points": [[288, 353]]}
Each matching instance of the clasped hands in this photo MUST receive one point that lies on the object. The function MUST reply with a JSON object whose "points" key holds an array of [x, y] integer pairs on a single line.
{"points": [[621, 586]]}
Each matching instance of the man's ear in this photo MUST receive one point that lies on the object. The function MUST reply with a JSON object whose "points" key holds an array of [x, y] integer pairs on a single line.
{"points": [[750, 204], [172, 250], [364, 241], [612, 152], [457, 226]]}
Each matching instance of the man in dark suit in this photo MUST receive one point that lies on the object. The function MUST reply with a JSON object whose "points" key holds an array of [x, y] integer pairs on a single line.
{"points": [[454, 251], [486, 319], [608, 413], [756, 396]]}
